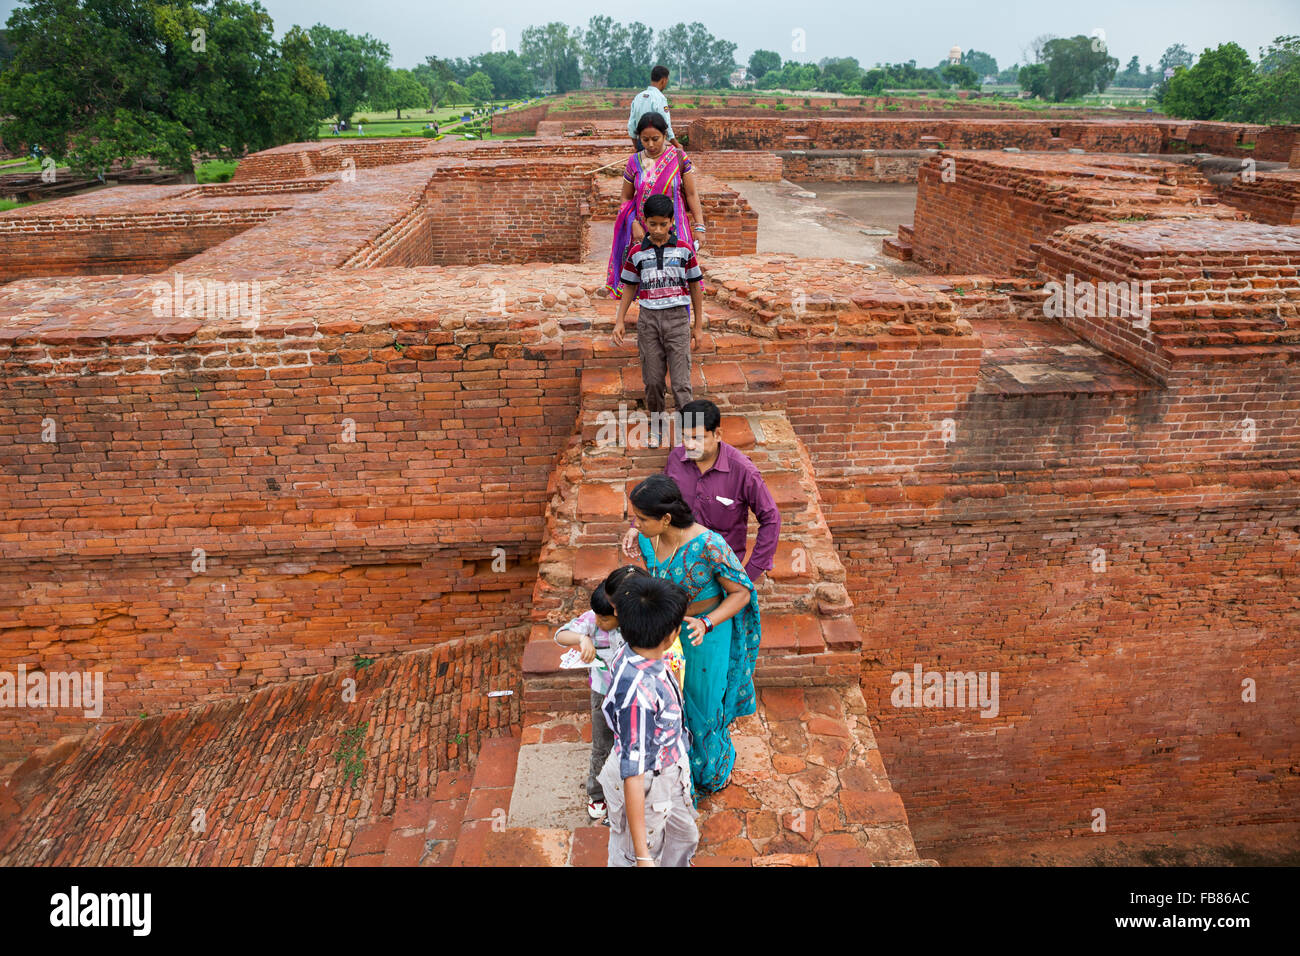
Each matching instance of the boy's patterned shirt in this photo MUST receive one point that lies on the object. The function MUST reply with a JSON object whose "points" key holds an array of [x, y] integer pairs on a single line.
{"points": [[662, 274], [644, 709]]}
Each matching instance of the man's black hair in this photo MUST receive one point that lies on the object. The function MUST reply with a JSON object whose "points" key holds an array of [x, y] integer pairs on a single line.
{"points": [[649, 610], [701, 412], [659, 205], [658, 73]]}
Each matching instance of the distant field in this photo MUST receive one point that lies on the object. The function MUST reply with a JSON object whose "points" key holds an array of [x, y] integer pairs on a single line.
{"points": [[386, 123]]}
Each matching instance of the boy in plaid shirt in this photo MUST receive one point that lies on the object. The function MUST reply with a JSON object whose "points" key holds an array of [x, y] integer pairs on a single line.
{"points": [[647, 778], [596, 633], [666, 277]]}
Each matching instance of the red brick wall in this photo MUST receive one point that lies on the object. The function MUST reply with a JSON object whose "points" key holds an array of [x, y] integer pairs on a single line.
{"points": [[856, 166], [980, 212], [716, 133], [92, 245], [317, 548], [1118, 690], [520, 120], [731, 221], [167, 637], [758, 165], [510, 211]]}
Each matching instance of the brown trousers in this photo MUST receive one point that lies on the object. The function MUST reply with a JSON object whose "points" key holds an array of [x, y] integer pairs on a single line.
{"points": [[663, 339]]}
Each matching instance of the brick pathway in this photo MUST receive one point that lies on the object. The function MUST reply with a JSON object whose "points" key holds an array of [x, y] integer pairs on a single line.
{"points": [[809, 789], [262, 768]]}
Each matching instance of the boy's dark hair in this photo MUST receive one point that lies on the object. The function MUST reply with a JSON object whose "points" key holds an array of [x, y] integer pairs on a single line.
{"points": [[701, 412], [658, 73], [659, 495], [602, 598], [659, 205], [649, 610], [652, 119]]}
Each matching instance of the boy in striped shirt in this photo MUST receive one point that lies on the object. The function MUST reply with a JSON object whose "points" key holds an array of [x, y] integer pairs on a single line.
{"points": [[647, 778], [666, 278]]}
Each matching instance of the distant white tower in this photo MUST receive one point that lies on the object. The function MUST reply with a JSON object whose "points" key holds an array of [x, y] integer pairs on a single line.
{"points": [[954, 56]]}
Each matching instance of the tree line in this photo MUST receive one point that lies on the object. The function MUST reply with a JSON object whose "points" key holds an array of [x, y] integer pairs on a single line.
{"points": [[98, 82]]}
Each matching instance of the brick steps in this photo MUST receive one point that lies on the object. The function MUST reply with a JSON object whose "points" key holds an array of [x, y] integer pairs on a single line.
{"points": [[808, 789], [808, 635]]}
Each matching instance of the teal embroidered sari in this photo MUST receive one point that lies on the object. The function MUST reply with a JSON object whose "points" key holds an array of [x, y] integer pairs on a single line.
{"points": [[719, 685]]}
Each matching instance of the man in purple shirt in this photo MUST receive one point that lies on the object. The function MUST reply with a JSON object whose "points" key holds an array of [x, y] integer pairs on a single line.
{"points": [[722, 487]]}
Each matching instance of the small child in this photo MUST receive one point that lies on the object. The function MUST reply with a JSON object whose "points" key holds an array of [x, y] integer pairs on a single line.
{"points": [[651, 815], [596, 633], [665, 275]]}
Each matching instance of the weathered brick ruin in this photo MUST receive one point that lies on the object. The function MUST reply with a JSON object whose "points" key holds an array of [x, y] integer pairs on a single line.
{"points": [[396, 455]]}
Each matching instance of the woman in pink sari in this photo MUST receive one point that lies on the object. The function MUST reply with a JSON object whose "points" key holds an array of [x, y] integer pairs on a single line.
{"points": [[657, 168]]}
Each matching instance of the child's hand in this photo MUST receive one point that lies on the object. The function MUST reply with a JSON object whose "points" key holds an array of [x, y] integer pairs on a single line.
{"points": [[588, 650], [618, 331]]}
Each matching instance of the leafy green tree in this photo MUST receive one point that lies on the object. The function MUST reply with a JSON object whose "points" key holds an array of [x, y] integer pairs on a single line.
{"points": [[1010, 75], [838, 72], [636, 60], [437, 77], [1175, 55], [6, 49], [762, 62], [1272, 94], [695, 56], [402, 90], [1131, 75], [1034, 80], [479, 87], [960, 75], [553, 52], [355, 67], [154, 80], [1075, 68], [982, 63], [457, 95], [509, 74], [1212, 89]]}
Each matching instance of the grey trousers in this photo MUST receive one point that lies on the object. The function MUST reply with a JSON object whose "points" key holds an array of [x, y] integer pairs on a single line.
{"points": [[671, 833], [602, 742], [663, 339]]}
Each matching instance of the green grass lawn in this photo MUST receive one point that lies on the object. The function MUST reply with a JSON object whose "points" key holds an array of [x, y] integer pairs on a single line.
{"points": [[215, 171], [386, 123], [7, 204], [27, 165]]}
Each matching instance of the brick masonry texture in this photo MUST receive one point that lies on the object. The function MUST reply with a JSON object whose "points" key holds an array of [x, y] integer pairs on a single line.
{"points": [[1272, 197], [979, 211], [405, 406], [262, 768], [1126, 695]]}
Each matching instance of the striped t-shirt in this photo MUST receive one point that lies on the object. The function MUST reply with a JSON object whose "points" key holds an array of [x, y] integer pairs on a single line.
{"points": [[662, 274]]}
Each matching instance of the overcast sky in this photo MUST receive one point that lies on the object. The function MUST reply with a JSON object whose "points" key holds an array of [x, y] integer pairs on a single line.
{"points": [[871, 30]]}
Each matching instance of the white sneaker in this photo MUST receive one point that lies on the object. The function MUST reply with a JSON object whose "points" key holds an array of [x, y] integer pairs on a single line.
{"points": [[596, 809]]}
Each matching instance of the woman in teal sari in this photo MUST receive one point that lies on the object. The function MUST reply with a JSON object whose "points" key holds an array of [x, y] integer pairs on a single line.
{"points": [[721, 632]]}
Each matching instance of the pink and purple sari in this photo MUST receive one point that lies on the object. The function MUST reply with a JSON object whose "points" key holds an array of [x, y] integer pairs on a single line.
{"points": [[664, 176]]}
